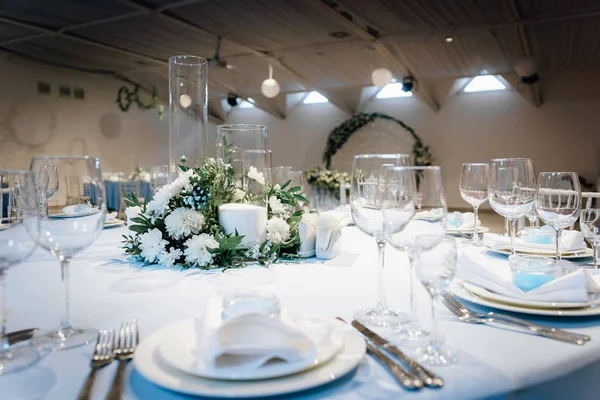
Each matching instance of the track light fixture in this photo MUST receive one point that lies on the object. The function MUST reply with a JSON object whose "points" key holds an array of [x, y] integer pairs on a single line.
{"points": [[232, 99], [408, 83]]}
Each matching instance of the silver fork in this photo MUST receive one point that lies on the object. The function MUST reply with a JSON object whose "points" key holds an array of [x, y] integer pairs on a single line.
{"points": [[124, 346], [103, 355], [467, 315]]}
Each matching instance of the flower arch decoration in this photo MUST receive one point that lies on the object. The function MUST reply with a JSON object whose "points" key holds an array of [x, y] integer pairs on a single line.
{"points": [[341, 133]]}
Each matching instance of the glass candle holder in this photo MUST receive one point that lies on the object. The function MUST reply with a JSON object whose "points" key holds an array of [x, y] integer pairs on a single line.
{"points": [[255, 175], [188, 102], [245, 301], [530, 272], [234, 139]]}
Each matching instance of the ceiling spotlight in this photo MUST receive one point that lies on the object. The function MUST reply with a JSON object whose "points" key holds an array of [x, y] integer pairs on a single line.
{"points": [[381, 77], [270, 87], [232, 99], [449, 39], [229, 66], [526, 68], [408, 84]]}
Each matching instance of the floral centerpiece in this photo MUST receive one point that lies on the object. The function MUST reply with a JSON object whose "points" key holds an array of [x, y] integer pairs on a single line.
{"points": [[328, 180], [139, 174], [180, 226]]}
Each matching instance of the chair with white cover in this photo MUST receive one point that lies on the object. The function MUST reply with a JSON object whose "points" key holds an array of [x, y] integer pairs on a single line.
{"points": [[589, 199], [75, 191], [344, 190]]}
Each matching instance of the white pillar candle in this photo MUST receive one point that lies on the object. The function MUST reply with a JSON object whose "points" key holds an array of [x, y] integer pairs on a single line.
{"points": [[249, 220]]}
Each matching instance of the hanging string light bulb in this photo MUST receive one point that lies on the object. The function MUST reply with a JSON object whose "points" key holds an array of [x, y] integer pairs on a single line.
{"points": [[381, 77], [270, 87]]}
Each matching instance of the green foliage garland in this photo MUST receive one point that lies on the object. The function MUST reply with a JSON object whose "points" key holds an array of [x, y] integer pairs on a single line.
{"points": [[341, 133], [126, 97]]}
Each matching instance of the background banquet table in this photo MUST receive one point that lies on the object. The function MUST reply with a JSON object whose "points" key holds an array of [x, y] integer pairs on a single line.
{"points": [[113, 195], [107, 288]]}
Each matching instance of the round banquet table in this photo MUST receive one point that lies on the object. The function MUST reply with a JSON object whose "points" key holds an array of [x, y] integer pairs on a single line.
{"points": [[108, 288]]}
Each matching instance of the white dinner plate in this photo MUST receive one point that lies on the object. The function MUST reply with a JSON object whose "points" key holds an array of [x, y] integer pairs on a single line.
{"points": [[151, 366], [491, 295], [585, 253], [178, 347], [451, 229], [464, 294], [62, 215], [113, 223]]}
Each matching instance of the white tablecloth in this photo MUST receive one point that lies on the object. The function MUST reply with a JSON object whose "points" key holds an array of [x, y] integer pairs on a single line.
{"points": [[106, 289]]}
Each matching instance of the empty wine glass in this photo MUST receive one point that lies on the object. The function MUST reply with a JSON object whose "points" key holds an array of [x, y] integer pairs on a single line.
{"points": [[426, 228], [435, 269], [512, 190], [69, 228], [366, 206], [47, 185], [19, 232], [473, 190], [589, 221], [281, 174], [159, 177], [532, 217], [558, 201]]}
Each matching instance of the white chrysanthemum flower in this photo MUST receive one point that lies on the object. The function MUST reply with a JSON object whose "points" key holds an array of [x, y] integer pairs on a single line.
{"points": [[160, 201], [184, 222], [257, 176], [196, 251], [168, 258], [152, 245], [131, 213], [278, 231], [277, 208], [182, 181]]}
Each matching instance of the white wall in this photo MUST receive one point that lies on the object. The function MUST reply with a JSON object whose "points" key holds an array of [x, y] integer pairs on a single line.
{"points": [[33, 124], [563, 134], [560, 135]]}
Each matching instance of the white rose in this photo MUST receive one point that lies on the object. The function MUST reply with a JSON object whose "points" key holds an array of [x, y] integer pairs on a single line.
{"points": [[131, 213]]}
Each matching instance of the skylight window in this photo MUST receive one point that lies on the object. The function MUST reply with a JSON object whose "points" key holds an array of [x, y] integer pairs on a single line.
{"points": [[392, 90], [247, 104], [314, 98], [484, 83]]}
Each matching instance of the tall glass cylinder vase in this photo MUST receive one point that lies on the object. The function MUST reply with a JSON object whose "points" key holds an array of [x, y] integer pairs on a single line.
{"points": [[188, 103]]}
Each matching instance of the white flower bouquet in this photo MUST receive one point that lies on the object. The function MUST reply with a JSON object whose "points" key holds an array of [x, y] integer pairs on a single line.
{"points": [[180, 226]]}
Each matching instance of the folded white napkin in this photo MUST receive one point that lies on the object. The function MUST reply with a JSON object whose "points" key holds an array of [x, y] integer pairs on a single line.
{"points": [[111, 216], [307, 229], [329, 234], [570, 241], [468, 221], [576, 286], [251, 341]]}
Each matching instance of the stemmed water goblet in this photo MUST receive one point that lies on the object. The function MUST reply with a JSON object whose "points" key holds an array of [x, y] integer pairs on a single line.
{"points": [[19, 233], [425, 230], [474, 190], [512, 190], [435, 269], [558, 201], [47, 185], [366, 198], [589, 221], [159, 177], [69, 228]]}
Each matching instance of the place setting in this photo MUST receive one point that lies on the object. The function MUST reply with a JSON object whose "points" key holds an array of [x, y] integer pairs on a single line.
{"points": [[318, 199]]}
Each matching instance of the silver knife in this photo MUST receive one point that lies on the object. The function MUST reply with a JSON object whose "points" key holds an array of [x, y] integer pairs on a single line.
{"points": [[405, 378], [429, 378], [20, 336]]}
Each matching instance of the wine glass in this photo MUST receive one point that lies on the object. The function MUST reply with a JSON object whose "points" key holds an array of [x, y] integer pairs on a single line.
{"points": [[512, 190], [426, 229], [281, 174], [159, 177], [366, 206], [68, 228], [297, 179], [589, 221], [558, 201], [47, 185], [473, 190], [435, 269], [19, 232]]}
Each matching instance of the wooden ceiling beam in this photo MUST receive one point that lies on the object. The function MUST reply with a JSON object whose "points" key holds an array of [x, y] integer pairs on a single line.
{"points": [[89, 42], [275, 62], [400, 67]]}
